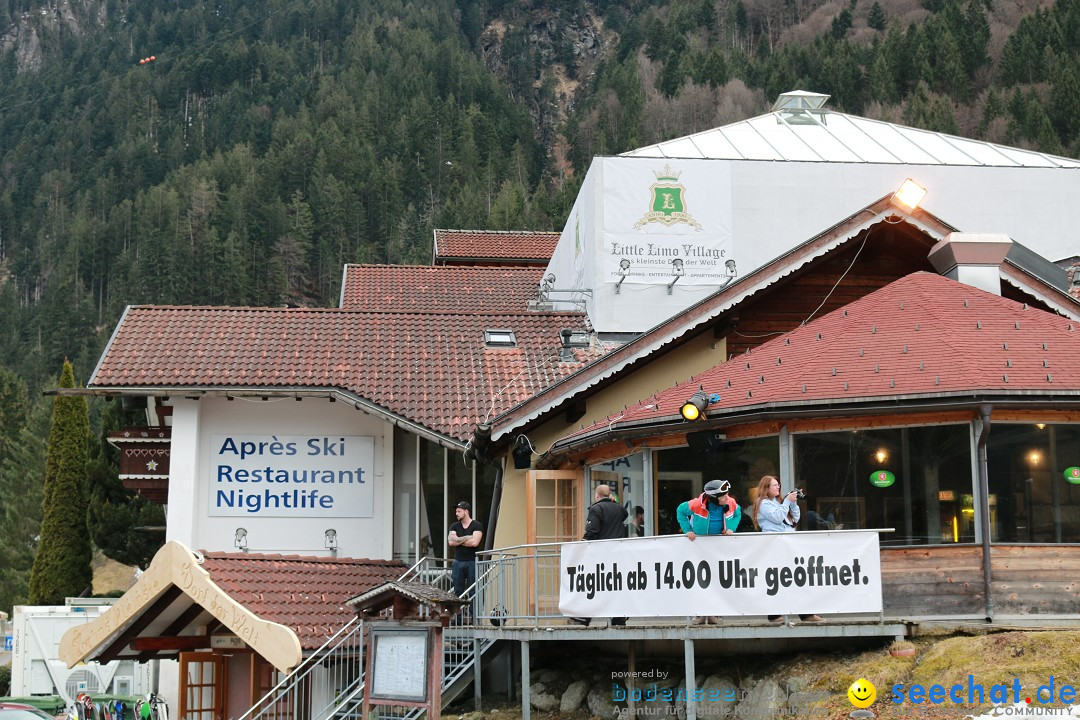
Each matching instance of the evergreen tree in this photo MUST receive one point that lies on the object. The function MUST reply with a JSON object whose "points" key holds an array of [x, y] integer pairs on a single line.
{"points": [[841, 24], [949, 69], [876, 19], [1065, 99], [22, 427], [62, 565], [974, 37], [993, 108]]}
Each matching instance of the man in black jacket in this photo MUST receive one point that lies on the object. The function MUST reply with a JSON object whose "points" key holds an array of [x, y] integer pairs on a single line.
{"points": [[606, 518], [605, 521]]}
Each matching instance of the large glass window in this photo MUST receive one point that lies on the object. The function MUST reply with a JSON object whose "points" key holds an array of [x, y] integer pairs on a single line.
{"points": [[681, 473], [626, 477], [1034, 497], [917, 480], [433, 529], [444, 481], [460, 477], [405, 500]]}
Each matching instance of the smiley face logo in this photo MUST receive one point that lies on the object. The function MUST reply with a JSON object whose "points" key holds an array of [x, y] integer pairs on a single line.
{"points": [[862, 693]]}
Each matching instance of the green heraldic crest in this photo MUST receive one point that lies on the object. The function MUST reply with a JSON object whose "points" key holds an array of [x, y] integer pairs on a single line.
{"points": [[668, 201]]}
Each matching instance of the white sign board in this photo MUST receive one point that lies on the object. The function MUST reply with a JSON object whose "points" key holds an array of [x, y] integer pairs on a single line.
{"points": [[666, 221], [751, 574], [401, 664], [291, 476]]}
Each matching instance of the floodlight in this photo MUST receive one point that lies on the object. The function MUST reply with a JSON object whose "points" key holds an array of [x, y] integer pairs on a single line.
{"points": [[694, 408], [909, 195]]}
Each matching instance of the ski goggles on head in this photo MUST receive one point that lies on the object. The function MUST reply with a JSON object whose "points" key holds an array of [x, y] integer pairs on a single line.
{"points": [[717, 487]]}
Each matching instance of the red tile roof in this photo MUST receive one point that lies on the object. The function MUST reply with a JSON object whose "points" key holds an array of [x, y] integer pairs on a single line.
{"points": [[921, 335], [456, 289], [432, 369], [306, 594], [497, 245]]}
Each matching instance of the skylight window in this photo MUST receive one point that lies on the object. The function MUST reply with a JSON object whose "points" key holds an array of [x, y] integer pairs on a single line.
{"points": [[500, 338], [800, 108], [579, 339]]}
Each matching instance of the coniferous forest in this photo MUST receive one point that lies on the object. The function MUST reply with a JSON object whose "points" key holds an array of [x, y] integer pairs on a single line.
{"points": [[267, 144]]}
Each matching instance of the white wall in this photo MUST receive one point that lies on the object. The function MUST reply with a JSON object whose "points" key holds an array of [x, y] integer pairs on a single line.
{"points": [[571, 262], [765, 209], [191, 485]]}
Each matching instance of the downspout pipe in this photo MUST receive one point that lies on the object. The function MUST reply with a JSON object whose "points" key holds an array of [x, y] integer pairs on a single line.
{"points": [[477, 451], [984, 507], [496, 500]]}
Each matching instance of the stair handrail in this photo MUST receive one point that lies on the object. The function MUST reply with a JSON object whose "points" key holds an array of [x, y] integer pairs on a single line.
{"points": [[301, 670], [347, 698], [309, 662]]}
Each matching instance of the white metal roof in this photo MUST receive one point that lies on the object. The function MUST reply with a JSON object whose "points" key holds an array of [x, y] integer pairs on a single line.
{"points": [[800, 129]]}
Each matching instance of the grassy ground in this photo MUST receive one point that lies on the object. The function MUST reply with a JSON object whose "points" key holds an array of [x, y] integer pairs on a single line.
{"points": [[1032, 657]]}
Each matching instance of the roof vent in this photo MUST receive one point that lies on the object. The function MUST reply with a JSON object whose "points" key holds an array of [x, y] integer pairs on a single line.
{"points": [[572, 339], [798, 108]]}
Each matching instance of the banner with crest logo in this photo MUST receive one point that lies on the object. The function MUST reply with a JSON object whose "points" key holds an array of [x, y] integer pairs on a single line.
{"points": [[667, 221]]}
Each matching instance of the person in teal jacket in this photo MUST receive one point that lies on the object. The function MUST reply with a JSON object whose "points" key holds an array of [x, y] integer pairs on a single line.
{"points": [[714, 512]]}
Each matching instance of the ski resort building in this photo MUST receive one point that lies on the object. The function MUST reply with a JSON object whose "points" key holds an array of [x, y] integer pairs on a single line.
{"points": [[910, 363]]}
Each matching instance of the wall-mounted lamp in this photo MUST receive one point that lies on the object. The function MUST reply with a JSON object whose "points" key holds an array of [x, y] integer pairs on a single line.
{"points": [[330, 539], [909, 195], [523, 452], [1034, 458], [694, 408], [624, 270], [240, 539], [546, 287], [881, 456], [678, 271]]}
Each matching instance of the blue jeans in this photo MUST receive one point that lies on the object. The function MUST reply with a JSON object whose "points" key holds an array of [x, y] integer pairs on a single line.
{"points": [[463, 575]]}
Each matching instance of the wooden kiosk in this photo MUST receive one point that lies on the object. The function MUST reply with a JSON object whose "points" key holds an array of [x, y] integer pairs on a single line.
{"points": [[405, 644]]}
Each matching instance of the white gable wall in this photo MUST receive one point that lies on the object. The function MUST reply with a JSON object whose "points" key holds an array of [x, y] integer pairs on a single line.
{"points": [[754, 211], [199, 427]]}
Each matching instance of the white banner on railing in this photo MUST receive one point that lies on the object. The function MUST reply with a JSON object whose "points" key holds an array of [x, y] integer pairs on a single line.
{"points": [[751, 574]]}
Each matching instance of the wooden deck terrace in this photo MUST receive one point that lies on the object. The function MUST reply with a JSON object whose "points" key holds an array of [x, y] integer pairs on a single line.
{"points": [[1013, 587], [1027, 586]]}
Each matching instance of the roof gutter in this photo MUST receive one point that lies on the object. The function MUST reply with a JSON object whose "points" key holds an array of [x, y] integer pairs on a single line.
{"points": [[781, 411], [298, 393]]}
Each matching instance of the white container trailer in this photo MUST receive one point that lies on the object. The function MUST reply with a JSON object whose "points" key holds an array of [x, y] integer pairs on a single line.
{"points": [[36, 668]]}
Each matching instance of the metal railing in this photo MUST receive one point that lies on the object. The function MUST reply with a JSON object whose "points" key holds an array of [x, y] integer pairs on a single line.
{"points": [[320, 682], [519, 585], [329, 683]]}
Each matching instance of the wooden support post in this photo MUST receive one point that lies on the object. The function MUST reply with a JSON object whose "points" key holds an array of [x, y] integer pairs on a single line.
{"points": [[691, 673], [435, 674]]}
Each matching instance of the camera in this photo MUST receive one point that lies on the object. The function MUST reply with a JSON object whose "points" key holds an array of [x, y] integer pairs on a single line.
{"points": [[799, 492]]}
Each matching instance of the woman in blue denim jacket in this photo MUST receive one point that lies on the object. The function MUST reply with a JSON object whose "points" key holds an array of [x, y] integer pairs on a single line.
{"points": [[773, 515]]}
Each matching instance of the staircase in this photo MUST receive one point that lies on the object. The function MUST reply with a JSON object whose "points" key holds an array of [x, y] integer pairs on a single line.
{"points": [[329, 683]]}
